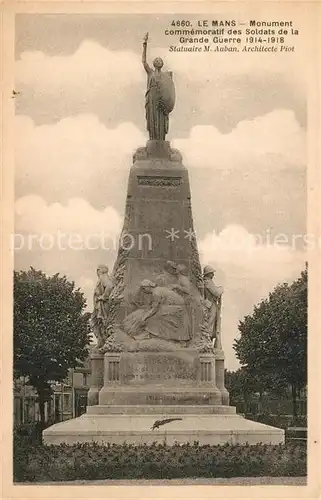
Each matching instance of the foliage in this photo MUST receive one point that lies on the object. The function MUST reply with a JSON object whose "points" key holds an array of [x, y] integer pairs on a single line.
{"points": [[281, 421], [240, 384], [51, 329], [273, 344], [30, 433], [157, 461]]}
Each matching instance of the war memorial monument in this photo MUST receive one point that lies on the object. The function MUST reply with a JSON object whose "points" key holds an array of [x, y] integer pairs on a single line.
{"points": [[158, 366]]}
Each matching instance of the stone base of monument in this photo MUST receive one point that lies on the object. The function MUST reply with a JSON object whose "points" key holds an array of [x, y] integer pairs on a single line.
{"points": [[214, 425], [160, 396]]}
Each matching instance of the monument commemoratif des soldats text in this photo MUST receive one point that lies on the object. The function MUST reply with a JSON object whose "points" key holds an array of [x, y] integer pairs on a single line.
{"points": [[158, 367]]}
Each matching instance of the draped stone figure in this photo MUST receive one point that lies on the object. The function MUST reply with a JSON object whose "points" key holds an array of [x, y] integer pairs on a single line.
{"points": [[164, 317], [185, 286], [213, 297], [99, 315], [159, 97], [192, 297], [175, 278]]}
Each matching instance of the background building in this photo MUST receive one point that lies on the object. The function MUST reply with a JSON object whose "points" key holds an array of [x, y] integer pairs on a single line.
{"points": [[69, 398]]}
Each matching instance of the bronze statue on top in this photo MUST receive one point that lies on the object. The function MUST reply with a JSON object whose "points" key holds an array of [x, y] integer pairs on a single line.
{"points": [[159, 97]]}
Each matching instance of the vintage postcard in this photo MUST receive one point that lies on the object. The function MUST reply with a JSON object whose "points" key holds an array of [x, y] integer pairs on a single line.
{"points": [[160, 249]]}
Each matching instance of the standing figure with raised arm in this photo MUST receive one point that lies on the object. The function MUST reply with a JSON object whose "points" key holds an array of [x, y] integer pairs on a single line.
{"points": [[159, 97]]}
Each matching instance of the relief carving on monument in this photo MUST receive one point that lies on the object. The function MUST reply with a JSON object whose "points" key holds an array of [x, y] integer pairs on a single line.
{"points": [[196, 270], [168, 313], [140, 154], [143, 153], [117, 293], [176, 155], [165, 317], [167, 309]]}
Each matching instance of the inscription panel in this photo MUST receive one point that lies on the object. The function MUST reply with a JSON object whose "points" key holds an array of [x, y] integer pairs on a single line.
{"points": [[152, 367], [158, 181]]}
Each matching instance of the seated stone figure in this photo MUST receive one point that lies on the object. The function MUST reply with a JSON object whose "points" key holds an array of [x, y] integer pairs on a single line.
{"points": [[166, 317]]}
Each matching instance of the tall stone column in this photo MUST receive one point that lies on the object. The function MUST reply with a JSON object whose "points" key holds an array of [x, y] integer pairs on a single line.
{"points": [[219, 373], [97, 378]]}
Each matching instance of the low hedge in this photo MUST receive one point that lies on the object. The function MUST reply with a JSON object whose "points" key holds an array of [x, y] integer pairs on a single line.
{"points": [[39, 463], [281, 421], [30, 433]]}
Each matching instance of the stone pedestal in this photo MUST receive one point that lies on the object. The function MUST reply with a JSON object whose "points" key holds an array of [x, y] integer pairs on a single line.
{"points": [[159, 378], [97, 378], [219, 370], [185, 389]]}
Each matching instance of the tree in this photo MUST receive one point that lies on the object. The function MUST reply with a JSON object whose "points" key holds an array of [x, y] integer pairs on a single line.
{"points": [[51, 330], [240, 385], [273, 341]]}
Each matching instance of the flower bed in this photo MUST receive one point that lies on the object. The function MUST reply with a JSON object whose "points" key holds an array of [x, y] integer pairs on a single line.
{"points": [[36, 462]]}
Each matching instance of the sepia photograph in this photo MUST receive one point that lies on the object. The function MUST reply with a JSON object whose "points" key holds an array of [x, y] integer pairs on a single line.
{"points": [[161, 246]]}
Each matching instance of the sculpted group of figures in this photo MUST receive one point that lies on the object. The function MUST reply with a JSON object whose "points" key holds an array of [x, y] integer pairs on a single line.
{"points": [[169, 308]]}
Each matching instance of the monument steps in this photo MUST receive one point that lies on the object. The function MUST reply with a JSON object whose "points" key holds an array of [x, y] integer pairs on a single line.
{"points": [[157, 409], [210, 429]]}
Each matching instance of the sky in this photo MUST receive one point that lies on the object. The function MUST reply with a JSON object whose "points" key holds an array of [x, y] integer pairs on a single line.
{"points": [[239, 122]]}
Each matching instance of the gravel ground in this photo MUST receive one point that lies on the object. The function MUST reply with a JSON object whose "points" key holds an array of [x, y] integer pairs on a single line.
{"points": [[234, 481]]}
